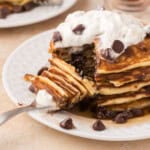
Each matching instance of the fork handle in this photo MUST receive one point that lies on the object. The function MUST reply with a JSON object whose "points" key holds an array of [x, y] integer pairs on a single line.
{"points": [[11, 113]]}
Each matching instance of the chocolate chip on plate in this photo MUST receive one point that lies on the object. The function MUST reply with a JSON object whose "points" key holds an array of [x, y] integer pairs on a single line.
{"points": [[41, 70], [4, 12], [57, 36], [110, 114], [79, 29], [17, 9], [100, 115], [121, 118], [29, 6], [137, 112], [99, 126], [128, 114], [67, 124], [118, 46], [33, 89]]}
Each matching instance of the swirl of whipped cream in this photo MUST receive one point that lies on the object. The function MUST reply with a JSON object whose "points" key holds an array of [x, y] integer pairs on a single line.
{"points": [[80, 28]]}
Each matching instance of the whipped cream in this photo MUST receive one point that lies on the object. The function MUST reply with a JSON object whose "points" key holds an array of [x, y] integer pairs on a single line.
{"points": [[43, 98], [106, 25]]}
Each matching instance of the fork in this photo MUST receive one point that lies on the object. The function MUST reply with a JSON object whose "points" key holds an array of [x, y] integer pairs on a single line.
{"points": [[48, 2], [4, 117]]}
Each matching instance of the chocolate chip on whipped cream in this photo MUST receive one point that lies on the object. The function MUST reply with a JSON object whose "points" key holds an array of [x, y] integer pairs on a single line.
{"points": [[57, 36], [107, 54], [118, 46], [79, 29]]}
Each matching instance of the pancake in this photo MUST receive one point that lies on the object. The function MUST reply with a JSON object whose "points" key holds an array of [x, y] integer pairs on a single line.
{"points": [[134, 56], [125, 98], [119, 79], [132, 87], [140, 104]]}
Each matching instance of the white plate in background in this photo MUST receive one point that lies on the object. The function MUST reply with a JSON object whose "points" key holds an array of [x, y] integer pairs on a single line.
{"points": [[38, 14]]}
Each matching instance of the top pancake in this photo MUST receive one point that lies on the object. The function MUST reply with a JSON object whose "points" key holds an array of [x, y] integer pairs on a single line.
{"points": [[135, 56]]}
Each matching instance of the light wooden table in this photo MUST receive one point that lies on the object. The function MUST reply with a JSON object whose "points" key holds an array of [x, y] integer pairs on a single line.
{"points": [[23, 133]]}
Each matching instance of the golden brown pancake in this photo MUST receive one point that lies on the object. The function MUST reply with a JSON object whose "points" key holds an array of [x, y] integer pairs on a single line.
{"points": [[131, 87], [125, 98], [119, 79], [140, 104], [135, 56]]}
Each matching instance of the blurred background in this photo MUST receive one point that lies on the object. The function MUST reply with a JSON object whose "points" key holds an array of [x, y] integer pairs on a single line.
{"points": [[138, 8]]}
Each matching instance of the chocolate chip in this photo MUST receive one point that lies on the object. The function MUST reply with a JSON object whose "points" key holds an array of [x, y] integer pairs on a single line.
{"points": [[101, 111], [98, 126], [100, 115], [120, 118], [67, 124], [128, 114], [79, 29], [20, 104], [57, 37], [4, 12], [148, 35], [137, 112], [84, 104], [29, 6], [147, 89], [41, 70], [33, 89], [106, 54], [17, 9], [110, 114], [118, 46]]}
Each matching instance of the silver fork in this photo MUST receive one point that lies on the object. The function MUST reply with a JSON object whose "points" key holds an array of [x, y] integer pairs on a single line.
{"points": [[12, 113], [48, 2]]}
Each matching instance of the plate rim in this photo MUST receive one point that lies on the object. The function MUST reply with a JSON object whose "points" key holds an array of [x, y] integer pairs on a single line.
{"points": [[53, 126], [40, 20]]}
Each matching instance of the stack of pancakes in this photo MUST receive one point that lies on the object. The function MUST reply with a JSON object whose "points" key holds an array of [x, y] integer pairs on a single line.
{"points": [[62, 81], [125, 83], [85, 63]]}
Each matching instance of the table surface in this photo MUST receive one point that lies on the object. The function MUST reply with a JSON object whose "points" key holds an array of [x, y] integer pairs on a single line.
{"points": [[24, 133]]}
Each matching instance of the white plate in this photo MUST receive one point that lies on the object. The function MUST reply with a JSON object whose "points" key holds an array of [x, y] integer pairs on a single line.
{"points": [[31, 56], [38, 14]]}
